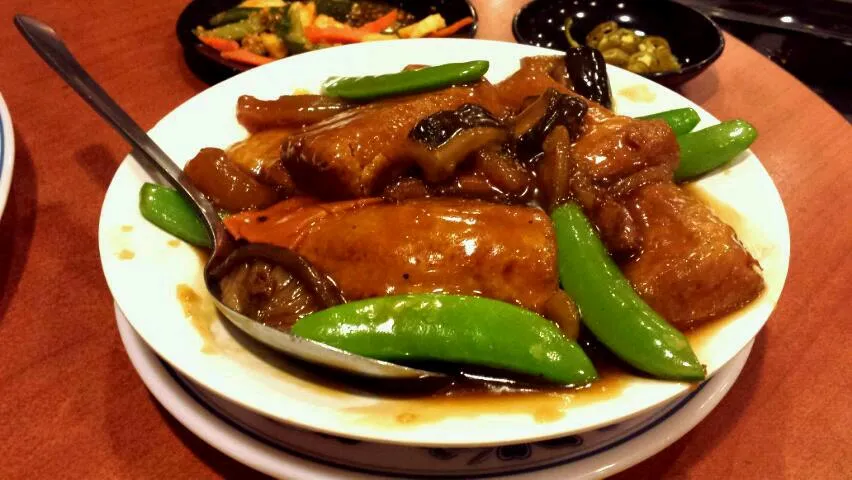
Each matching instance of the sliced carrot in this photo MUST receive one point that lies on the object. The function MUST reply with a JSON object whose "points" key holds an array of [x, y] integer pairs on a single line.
{"points": [[244, 56], [333, 35], [221, 44], [452, 29], [380, 23]]}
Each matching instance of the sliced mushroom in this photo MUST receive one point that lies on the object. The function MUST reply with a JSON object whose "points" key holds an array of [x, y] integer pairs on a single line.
{"points": [[554, 169], [499, 165], [534, 123], [274, 285], [440, 142]]}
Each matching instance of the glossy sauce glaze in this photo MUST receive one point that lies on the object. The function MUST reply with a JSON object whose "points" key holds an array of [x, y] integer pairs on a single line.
{"points": [[372, 248], [199, 315], [476, 391]]}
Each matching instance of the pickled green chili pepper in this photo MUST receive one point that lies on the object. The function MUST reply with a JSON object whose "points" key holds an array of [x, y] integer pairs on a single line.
{"points": [[682, 120], [410, 81], [167, 209], [712, 147], [449, 328], [611, 309]]}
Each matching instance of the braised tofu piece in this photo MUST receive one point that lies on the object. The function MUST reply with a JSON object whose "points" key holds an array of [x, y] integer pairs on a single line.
{"points": [[536, 75], [692, 267], [453, 246], [358, 152]]}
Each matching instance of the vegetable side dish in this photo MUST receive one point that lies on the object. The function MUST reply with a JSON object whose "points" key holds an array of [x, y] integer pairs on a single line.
{"points": [[629, 49], [260, 31], [430, 215]]}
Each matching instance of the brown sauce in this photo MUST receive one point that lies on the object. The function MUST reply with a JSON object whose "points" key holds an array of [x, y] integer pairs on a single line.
{"points": [[467, 399], [700, 335], [200, 317], [721, 210], [544, 406], [638, 94]]}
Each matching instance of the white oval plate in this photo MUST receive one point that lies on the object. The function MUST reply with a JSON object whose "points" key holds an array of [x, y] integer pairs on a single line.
{"points": [[208, 352], [287, 452], [7, 153]]}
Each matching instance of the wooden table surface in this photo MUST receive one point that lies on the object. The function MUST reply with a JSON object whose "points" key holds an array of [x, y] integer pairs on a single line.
{"points": [[71, 405]]}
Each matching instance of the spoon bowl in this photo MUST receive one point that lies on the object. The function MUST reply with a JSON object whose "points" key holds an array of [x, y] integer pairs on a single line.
{"points": [[44, 40]]}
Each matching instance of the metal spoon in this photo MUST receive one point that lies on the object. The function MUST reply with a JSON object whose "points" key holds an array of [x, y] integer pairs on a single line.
{"points": [[52, 49]]}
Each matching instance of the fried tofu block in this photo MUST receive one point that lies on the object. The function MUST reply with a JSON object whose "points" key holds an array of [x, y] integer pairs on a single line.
{"points": [[456, 246], [534, 77], [692, 267], [358, 152]]}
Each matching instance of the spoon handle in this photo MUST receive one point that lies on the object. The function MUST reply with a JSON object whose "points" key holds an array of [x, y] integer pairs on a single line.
{"points": [[44, 40]]}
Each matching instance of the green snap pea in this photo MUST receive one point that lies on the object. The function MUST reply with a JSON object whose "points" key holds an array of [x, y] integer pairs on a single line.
{"points": [[712, 147], [611, 309], [682, 120], [167, 209], [410, 81], [459, 329]]}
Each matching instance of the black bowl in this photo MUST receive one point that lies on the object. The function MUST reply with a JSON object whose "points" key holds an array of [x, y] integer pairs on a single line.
{"points": [[208, 65], [695, 39]]}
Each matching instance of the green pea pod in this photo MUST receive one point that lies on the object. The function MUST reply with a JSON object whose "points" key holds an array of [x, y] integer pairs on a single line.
{"points": [[682, 120], [458, 329], [712, 147], [611, 309], [167, 209], [400, 83]]}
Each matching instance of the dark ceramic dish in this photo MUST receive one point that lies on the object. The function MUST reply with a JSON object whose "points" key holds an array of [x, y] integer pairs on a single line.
{"points": [[207, 64], [695, 39]]}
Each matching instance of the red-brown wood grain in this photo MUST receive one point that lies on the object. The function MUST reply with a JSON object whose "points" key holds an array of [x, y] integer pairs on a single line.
{"points": [[71, 406]]}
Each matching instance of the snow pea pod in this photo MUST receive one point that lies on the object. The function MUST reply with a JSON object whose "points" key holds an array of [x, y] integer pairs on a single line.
{"points": [[405, 82], [450, 328], [682, 120], [167, 209], [712, 147], [611, 309]]}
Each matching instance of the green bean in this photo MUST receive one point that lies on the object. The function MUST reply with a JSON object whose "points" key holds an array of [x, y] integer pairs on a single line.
{"points": [[410, 81], [712, 147], [682, 120], [448, 328], [611, 309]]}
